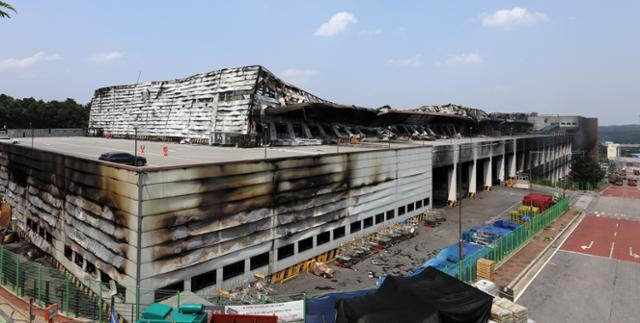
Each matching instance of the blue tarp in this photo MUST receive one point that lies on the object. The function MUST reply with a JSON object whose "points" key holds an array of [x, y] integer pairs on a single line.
{"points": [[506, 224], [322, 309]]}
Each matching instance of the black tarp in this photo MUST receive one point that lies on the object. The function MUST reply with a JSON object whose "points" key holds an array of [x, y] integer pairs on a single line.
{"points": [[429, 297]]}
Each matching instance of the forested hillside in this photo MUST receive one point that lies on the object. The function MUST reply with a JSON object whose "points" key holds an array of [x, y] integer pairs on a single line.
{"points": [[622, 134], [18, 113]]}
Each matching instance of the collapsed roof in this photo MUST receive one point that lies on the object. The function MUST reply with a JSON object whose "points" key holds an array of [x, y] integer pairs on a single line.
{"points": [[229, 105]]}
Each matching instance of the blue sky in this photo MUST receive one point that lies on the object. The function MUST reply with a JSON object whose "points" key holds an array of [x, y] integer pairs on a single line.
{"points": [[558, 57]]}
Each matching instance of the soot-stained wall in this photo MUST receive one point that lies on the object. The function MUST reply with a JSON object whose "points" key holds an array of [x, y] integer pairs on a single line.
{"points": [[202, 218], [81, 212]]}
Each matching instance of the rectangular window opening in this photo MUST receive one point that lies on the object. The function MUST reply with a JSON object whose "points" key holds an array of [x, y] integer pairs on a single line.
{"points": [[379, 218], [401, 211], [91, 269], [305, 244], [233, 270], [79, 260], [355, 227], [285, 251], [368, 222], [204, 280], [167, 291], [258, 261], [391, 214], [323, 238], [68, 253], [410, 207], [418, 204], [339, 233]]}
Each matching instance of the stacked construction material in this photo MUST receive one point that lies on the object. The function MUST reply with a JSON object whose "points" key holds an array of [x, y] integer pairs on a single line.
{"points": [[485, 269], [518, 215], [519, 313], [486, 286], [541, 201], [500, 315]]}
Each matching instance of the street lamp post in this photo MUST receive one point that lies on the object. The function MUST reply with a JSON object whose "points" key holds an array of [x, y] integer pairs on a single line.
{"points": [[135, 145], [31, 126]]}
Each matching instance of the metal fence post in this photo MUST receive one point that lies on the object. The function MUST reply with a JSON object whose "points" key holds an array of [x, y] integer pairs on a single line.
{"points": [[178, 298], [137, 302], [1, 265], [66, 293], [17, 285], [39, 294], [100, 305]]}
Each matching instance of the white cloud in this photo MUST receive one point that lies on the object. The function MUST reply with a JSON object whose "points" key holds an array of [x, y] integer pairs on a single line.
{"points": [[338, 23], [414, 61], [506, 18], [464, 59], [371, 32], [21, 63], [106, 57], [295, 75]]}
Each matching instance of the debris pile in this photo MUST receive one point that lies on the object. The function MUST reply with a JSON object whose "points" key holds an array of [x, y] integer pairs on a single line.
{"points": [[255, 292], [355, 251]]}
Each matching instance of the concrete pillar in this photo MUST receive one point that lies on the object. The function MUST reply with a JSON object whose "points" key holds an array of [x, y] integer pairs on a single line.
{"points": [[473, 178], [488, 173], [452, 178], [512, 160], [452, 183], [501, 168]]}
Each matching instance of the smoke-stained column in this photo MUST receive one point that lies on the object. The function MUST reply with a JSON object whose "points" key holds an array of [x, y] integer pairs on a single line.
{"points": [[488, 173], [501, 168], [473, 178], [512, 160], [452, 178]]}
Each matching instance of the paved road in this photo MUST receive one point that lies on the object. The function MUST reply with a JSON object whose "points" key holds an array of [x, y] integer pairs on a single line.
{"points": [[588, 284]]}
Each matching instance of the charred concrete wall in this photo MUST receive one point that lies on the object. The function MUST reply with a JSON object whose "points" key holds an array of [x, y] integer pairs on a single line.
{"points": [[215, 107], [81, 212], [229, 221]]}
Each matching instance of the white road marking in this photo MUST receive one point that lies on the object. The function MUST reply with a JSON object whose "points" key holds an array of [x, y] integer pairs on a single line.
{"points": [[583, 254], [585, 247], [617, 224], [613, 245], [615, 234], [631, 254], [547, 261]]}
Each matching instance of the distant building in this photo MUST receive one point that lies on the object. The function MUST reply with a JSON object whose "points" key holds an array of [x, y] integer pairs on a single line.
{"points": [[583, 130]]}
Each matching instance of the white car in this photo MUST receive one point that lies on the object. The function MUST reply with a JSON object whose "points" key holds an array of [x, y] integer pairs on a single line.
{"points": [[13, 141]]}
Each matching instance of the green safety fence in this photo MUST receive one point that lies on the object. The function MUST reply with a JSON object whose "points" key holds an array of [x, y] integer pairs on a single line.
{"points": [[89, 298], [503, 247]]}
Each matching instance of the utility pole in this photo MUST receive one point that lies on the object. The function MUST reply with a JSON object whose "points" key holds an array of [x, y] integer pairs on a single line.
{"points": [[135, 146], [459, 198], [31, 126]]}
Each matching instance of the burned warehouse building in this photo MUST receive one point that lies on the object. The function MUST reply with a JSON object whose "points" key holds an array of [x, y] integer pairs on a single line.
{"points": [[337, 172]]}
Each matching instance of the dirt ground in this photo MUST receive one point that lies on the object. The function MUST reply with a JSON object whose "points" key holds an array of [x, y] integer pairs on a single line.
{"points": [[409, 254]]}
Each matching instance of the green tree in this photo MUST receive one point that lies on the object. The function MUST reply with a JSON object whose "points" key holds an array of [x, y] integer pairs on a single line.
{"points": [[586, 171], [19, 113], [4, 9]]}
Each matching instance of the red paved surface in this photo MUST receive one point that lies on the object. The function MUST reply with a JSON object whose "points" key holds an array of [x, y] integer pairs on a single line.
{"points": [[621, 191], [607, 237]]}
